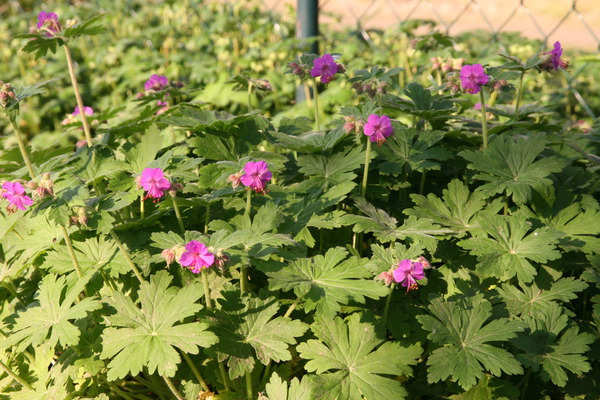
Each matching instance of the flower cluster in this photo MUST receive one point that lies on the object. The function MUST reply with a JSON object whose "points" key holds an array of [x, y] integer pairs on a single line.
{"points": [[552, 61], [14, 192], [473, 77], [7, 95], [324, 67], [446, 64], [255, 176], [72, 118], [407, 272], [378, 128], [156, 83], [48, 23], [153, 181]]}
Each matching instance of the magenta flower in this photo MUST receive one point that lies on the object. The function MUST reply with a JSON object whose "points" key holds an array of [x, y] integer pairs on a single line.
{"points": [[473, 77], [325, 67], [164, 106], [14, 192], [154, 182], [256, 176], [156, 82], [555, 55], [196, 257], [409, 273], [378, 128], [48, 22], [86, 110]]}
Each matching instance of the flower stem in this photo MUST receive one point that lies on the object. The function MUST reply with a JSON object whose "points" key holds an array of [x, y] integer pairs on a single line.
{"points": [[207, 218], [363, 189], [248, 202], [206, 288], [86, 126], [195, 371], [178, 215], [249, 394], [316, 104], [224, 375], [142, 208], [23, 150], [173, 388], [292, 308], [249, 96], [519, 93], [423, 178], [119, 244], [71, 252], [483, 119], [244, 279], [388, 301], [16, 377]]}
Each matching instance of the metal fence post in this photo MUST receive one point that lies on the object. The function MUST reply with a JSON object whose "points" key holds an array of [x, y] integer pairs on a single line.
{"points": [[307, 28]]}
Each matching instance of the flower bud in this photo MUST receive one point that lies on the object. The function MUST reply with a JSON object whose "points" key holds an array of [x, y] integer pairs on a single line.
{"points": [[386, 276], [235, 179]]}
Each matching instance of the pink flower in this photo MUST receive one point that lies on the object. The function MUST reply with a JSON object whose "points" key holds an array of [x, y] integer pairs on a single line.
{"points": [[409, 273], [86, 110], [164, 107], [14, 192], [48, 22], [196, 257], [256, 176], [472, 77], [156, 82], [386, 276], [325, 67], [378, 128], [552, 61], [154, 182]]}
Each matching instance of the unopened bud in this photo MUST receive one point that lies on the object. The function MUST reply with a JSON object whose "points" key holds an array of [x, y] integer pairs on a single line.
{"points": [[235, 179], [386, 276]]}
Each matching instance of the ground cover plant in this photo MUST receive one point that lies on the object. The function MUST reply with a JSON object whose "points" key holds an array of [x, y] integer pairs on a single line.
{"points": [[174, 225]]}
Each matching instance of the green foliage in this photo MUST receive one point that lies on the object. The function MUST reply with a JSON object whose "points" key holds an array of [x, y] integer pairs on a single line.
{"points": [[351, 356], [462, 328], [248, 331], [327, 282], [148, 334]]}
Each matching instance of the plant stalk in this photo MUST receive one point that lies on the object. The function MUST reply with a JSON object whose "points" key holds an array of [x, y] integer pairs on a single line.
{"points": [[388, 301], [207, 218], [224, 375], [249, 392], [316, 104], [483, 119], [23, 150], [71, 252], [195, 371], [520, 92], [173, 388], [16, 377], [206, 288], [248, 201], [292, 308], [363, 189], [119, 244], [86, 126], [178, 215]]}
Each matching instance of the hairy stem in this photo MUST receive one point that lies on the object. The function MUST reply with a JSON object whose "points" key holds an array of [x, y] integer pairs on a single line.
{"points": [[224, 376], [388, 301], [316, 104], [206, 288], [86, 126], [23, 150], [248, 201], [16, 377], [173, 388], [519, 93], [249, 392], [119, 244], [178, 215], [483, 119], [195, 371], [363, 189], [71, 252], [207, 218]]}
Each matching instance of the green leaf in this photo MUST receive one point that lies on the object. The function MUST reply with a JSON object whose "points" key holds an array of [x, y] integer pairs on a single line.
{"points": [[335, 169], [456, 209], [85, 28], [248, 332], [326, 282], [489, 389], [461, 328], [140, 154], [296, 390], [352, 356], [48, 319], [148, 335], [92, 165], [384, 258], [40, 44], [508, 165], [511, 247], [531, 299], [413, 147], [551, 346]]}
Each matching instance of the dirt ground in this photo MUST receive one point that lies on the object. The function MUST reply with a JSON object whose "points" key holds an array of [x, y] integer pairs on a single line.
{"points": [[554, 19]]}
